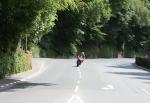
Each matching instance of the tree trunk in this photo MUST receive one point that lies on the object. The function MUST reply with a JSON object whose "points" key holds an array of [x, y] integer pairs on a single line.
{"points": [[121, 51]]}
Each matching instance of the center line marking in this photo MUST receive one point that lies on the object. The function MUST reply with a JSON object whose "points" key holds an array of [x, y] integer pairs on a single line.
{"points": [[76, 89], [75, 98], [70, 100]]}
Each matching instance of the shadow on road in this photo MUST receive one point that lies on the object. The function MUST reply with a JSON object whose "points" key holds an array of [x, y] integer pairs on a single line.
{"points": [[134, 75], [125, 66], [17, 84], [131, 73], [137, 73], [74, 66]]}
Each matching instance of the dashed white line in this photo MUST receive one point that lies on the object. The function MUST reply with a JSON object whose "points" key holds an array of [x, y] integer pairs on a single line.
{"points": [[70, 100], [76, 89], [75, 98], [79, 98]]}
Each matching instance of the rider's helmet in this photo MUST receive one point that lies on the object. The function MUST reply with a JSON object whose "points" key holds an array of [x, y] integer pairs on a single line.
{"points": [[83, 55], [82, 52]]}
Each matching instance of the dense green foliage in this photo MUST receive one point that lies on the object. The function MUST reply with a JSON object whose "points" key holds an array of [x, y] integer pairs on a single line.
{"points": [[54, 28], [78, 27], [13, 63], [22, 24], [121, 24]]}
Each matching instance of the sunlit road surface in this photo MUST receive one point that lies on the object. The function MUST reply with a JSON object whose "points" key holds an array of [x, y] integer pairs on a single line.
{"points": [[95, 81]]}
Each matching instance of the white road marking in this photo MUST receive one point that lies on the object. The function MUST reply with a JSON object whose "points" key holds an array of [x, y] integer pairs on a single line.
{"points": [[76, 89], [10, 83], [6, 85], [2, 86], [70, 100], [15, 82], [79, 98], [108, 87], [145, 91], [75, 98]]}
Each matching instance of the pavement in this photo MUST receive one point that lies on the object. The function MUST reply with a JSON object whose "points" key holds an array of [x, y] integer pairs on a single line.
{"points": [[95, 81]]}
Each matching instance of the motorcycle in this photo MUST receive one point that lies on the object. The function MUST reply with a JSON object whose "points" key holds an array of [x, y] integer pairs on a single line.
{"points": [[79, 62]]}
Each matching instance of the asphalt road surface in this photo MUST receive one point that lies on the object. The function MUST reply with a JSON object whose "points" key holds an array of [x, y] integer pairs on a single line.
{"points": [[95, 81]]}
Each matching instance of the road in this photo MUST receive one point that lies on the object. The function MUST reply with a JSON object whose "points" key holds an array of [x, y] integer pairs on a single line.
{"points": [[95, 81]]}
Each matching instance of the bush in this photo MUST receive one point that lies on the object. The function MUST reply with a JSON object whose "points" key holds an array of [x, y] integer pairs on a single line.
{"points": [[6, 62], [13, 63], [20, 64]]}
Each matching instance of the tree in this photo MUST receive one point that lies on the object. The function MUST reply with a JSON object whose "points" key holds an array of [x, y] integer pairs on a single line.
{"points": [[21, 19], [125, 26]]}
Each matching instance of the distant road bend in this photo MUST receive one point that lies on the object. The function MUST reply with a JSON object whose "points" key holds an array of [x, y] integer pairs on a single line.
{"points": [[95, 81]]}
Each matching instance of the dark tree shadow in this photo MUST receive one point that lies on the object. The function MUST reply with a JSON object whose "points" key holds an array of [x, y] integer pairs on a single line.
{"points": [[133, 75], [6, 81], [17, 84], [147, 82], [144, 78], [125, 66]]}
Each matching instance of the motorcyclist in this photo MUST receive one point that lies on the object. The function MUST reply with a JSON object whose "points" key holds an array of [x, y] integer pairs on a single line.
{"points": [[80, 58]]}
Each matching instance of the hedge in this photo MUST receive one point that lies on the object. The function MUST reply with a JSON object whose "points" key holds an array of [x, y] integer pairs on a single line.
{"points": [[12, 64], [143, 62]]}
